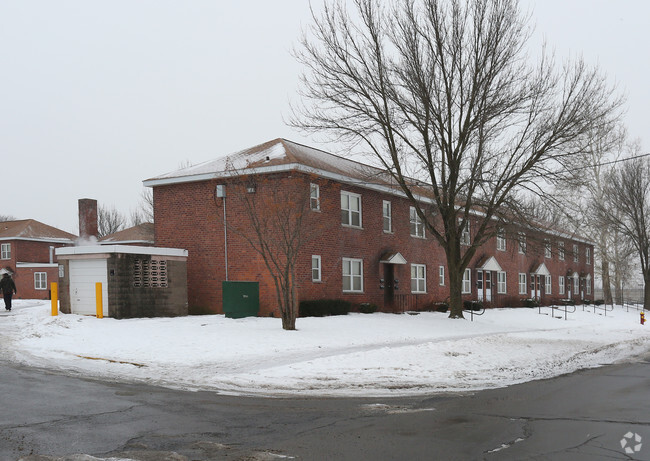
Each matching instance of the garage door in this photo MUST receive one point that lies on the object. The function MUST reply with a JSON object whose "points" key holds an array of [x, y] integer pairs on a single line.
{"points": [[84, 274]]}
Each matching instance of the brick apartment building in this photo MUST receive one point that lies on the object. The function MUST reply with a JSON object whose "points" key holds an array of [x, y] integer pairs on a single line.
{"points": [[27, 250], [367, 245]]}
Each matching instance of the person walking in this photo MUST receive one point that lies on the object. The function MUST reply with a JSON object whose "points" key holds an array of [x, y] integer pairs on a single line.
{"points": [[8, 288]]}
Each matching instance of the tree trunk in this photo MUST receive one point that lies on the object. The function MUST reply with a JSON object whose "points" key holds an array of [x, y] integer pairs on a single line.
{"points": [[455, 290], [646, 290], [607, 287]]}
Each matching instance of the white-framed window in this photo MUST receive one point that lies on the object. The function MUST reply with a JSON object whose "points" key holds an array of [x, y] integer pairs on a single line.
{"points": [[416, 224], [352, 275], [560, 251], [561, 284], [315, 268], [465, 238], [523, 287], [387, 212], [418, 278], [40, 280], [548, 285], [314, 196], [5, 251], [441, 273], [467, 281], [501, 239], [522, 243], [547, 249], [350, 209], [502, 286], [576, 254], [588, 255], [576, 285]]}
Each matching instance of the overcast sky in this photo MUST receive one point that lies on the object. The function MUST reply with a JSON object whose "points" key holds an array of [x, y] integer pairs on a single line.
{"points": [[96, 96]]}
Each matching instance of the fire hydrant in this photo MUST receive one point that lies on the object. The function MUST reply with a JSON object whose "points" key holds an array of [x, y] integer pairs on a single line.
{"points": [[642, 318]]}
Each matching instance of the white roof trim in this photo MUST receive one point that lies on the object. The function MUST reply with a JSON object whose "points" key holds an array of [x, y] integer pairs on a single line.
{"points": [[19, 264], [491, 265], [103, 249]]}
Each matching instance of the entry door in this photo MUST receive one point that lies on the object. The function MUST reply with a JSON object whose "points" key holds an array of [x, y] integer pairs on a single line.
{"points": [[389, 290], [538, 287], [84, 273], [488, 286], [535, 286], [479, 284]]}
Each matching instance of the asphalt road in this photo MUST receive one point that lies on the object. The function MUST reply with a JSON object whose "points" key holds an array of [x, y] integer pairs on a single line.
{"points": [[582, 416]]}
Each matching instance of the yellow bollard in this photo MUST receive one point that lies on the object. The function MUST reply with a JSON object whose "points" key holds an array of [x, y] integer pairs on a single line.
{"points": [[55, 298], [98, 298]]}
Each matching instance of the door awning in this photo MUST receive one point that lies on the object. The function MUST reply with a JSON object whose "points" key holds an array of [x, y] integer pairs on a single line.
{"points": [[542, 270], [491, 265], [392, 258]]}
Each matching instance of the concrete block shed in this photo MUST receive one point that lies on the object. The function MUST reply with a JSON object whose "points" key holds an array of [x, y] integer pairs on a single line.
{"points": [[137, 281]]}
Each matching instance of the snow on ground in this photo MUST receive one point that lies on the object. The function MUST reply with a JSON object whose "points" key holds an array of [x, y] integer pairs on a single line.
{"points": [[354, 355]]}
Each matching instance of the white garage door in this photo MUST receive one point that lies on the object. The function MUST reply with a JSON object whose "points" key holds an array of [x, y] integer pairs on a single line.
{"points": [[84, 274]]}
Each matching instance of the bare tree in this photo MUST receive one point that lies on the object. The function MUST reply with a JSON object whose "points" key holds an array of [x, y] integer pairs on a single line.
{"points": [[109, 221], [625, 207], [442, 91], [6, 217], [144, 212], [275, 219]]}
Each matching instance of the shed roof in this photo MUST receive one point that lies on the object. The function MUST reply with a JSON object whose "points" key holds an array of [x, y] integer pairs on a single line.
{"points": [[142, 233]]}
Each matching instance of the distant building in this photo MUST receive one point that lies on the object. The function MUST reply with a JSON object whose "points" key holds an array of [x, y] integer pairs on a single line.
{"points": [[141, 235], [370, 247], [27, 249]]}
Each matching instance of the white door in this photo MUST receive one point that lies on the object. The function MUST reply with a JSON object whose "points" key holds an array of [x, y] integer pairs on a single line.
{"points": [[479, 284], [488, 286], [84, 274]]}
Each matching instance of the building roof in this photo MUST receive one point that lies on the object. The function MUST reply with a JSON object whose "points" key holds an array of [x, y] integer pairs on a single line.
{"points": [[142, 233], [30, 229], [280, 155]]}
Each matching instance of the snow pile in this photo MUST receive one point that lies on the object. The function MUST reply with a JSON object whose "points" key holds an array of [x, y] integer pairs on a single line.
{"points": [[354, 355]]}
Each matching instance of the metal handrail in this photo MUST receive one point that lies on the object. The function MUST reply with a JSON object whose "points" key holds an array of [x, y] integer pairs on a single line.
{"points": [[603, 307], [473, 312], [563, 308]]}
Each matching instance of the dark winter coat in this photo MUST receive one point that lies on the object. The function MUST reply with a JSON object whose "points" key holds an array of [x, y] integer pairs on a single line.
{"points": [[7, 284]]}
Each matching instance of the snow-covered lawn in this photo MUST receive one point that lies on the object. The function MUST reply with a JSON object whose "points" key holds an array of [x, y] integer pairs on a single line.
{"points": [[353, 355]]}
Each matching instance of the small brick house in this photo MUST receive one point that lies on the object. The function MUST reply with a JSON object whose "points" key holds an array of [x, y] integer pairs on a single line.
{"points": [[367, 247], [27, 250]]}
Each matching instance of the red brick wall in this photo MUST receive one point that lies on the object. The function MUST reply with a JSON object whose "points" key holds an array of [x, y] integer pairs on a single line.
{"points": [[189, 216]]}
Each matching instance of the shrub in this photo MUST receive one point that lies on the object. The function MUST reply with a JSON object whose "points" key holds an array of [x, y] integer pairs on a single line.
{"points": [[324, 307], [367, 308], [472, 305], [439, 307]]}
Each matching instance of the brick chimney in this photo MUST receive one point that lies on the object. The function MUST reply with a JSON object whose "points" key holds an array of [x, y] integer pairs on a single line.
{"points": [[87, 218]]}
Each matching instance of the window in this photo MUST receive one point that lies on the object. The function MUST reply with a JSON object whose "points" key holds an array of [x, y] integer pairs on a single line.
{"points": [[314, 196], [522, 243], [5, 251], [560, 251], [548, 285], [388, 216], [417, 226], [523, 288], [418, 278], [501, 282], [547, 249], [588, 255], [352, 275], [464, 236], [40, 280], [350, 209], [576, 255], [441, 272], [501, 240], [315, 268], [561, 284], [467, 281]]}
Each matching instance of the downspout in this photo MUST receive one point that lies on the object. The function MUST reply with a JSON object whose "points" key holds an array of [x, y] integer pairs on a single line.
{"points": [[225, 236], [51, 254]]}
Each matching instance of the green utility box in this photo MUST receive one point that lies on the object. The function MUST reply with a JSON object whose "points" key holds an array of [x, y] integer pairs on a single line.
{"points": [[241, 299]]}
